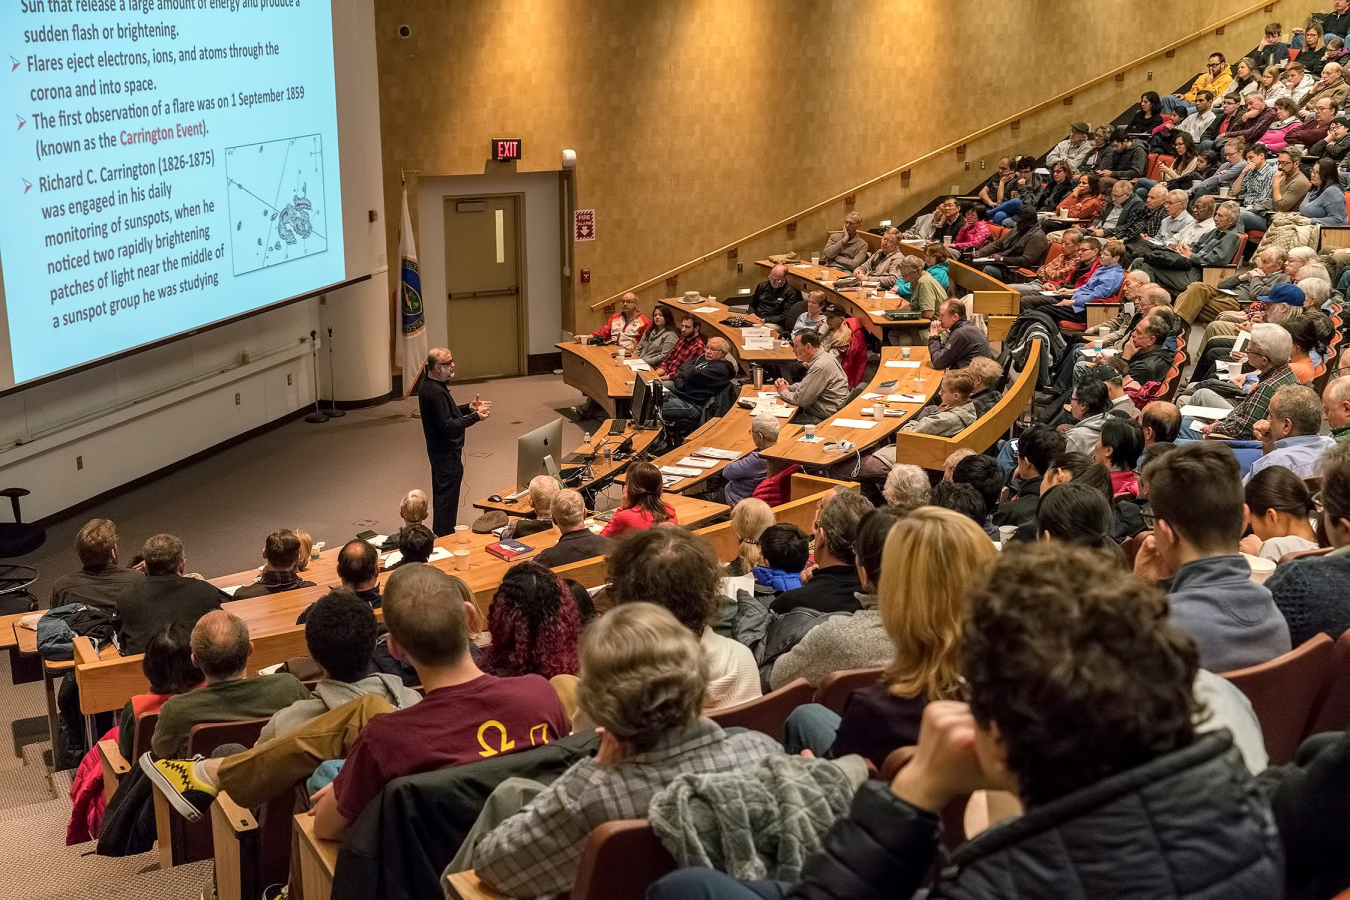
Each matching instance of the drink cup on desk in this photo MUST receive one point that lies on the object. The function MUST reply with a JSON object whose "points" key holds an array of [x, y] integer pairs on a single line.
{"points": [[815, 259], [316, 550], [904, 353], [920, 384], [620, 355], [878, 411], [1223, 190], [461, 534], [810, 432], [1097, 344], [461, 560]]}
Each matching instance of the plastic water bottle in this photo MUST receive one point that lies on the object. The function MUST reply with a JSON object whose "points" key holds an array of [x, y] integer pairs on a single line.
{"points": [[586, 439]]}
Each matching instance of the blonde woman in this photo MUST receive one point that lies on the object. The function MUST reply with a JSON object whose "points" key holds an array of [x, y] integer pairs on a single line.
{"points": [[749, 519], [412, 509], [933, 560], [306, 547]]}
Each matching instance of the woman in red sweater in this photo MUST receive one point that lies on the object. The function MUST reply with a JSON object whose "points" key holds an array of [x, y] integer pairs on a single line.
{"points": [[642, 505]]}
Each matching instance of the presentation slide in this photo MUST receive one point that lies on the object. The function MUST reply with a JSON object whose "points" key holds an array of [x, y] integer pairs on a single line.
{"points": [[167, 164]]}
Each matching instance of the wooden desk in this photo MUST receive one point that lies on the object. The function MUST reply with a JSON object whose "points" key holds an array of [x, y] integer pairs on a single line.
{"points": [[320, 571], [713, 327], [806, 277], [730, 432], [593, 371], [601, 468], [790, 450]]}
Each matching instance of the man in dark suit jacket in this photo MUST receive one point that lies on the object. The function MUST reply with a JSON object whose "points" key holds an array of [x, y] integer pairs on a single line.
{"points": [[443, 424], [577, 541], [166, 597]]}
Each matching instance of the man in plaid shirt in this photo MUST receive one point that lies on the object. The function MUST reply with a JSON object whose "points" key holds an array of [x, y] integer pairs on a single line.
{"points": [[650, 736], [1268, 353], [689, 346]]}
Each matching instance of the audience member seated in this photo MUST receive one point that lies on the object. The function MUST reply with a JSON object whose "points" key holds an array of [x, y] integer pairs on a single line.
{"points": [[813, 318], [658, 340], [679, 570], [845, 249], [857, 641], [1336, 405], [883, 266], [1314, 593], [823, 390], [1118, 447], [1279, 508], [1063, 179], [1126, 160], [1313, 51], [412, 509], [1082, 704], [625, 328], [1160, 421], [415, 544], [1286, 120], [542, 488], [280, 553], [772, 299], [1289, 433], [697, 381], [425, 610], [1195, 493], [1073, 149], [743, 475], [1024, 191], [1234, 161], [749, 520], [983, 474], [645, 682], [975, 232], [1085, 201], [930, 563], [785, 551], [358, 568], [1325, 200], [1113, 373], [834, 582], [1268, 353], [997, 188], [1103, 284], [1077, 514], [960, 498], [1334, 147], [1199, 121], [1214, 81], [534, 623], [1271, 51], [953, 339], [576, 542], [1298, 83], [1037, 448], [166, 596], [340, 632], [919, 288], [1176, 269], [943, 222], [1089, 405], [1053, 271], [101, 582], [1123, 217], [220, 648], [689, 346], [841, 340], [1022, 245], [1148, 356], [935, 259], [1252, 123], [953, 413], [906, 486], [986, 373], [642, 506]]}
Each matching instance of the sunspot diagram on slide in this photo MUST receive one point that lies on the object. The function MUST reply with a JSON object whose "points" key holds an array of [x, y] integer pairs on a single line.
{"points": [[275, 202]]}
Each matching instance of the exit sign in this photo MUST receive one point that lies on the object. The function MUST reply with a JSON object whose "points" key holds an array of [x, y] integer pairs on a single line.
{"points": [[505, 148]]}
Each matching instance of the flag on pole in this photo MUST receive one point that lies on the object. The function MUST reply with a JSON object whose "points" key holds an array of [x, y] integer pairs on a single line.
{"points": [[414, 320]]}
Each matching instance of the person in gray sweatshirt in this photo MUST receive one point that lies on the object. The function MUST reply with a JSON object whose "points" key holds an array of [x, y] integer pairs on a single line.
{"points": [[1196, 516], [340, 632]]}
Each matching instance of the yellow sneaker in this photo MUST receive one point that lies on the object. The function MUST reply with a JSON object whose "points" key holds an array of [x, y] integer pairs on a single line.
{"points": [[183, 786]]}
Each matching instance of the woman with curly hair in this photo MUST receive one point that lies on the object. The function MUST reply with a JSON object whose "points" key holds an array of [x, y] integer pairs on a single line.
{"points": [[534, 623]]}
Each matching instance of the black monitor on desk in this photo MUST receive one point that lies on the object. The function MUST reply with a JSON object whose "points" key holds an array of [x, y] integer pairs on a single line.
{"points": [[645, 407]]}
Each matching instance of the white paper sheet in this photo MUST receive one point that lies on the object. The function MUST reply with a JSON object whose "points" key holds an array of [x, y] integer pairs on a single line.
{"points": [[1211, 413], [682, 471], [715, 453], [637, 365], [756, 339], [707, 309], [693, 462]]}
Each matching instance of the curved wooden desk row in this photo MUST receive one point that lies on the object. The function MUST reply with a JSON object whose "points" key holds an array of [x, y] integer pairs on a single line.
{"points": [[791, 449], [992, 297], [710, 314], [867, 310], [107, 684]]}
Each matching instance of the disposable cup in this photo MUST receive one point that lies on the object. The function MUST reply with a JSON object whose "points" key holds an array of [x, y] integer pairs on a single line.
{"points": [[461, 534], [811, 432], [1006, 532], [461, 560]]}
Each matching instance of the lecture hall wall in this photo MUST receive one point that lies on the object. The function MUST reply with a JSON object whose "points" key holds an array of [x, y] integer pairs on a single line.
{"points": [[698, 122]]}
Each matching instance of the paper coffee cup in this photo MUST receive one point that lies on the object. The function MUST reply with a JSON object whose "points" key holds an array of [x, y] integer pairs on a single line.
{"points": [[461, 534], [1006, 532], [461, 560], [878, 411], [811, 432], [316, 550]]}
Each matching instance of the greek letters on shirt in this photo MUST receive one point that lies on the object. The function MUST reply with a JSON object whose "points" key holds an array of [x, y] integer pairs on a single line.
{"points": [[494, 739]]}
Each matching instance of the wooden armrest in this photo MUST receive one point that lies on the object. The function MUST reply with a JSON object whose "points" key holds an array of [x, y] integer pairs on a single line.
{"points": [[318, 859], [84, 650], [163, 827], [469, 887], [114, 766], [231, 828]]}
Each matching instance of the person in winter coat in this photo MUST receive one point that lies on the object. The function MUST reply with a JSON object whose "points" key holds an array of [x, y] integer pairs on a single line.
{"points": [[340, 634], [1081, 704]]}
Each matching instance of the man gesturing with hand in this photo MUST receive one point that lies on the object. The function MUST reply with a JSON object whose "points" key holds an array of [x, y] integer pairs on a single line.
{"points": [[443, 425]]}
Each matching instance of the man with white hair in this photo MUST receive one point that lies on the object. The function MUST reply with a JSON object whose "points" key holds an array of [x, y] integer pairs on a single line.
{"points": [[577, 542], [1268, 353], [1177, 219], [1336, 406], [542, 488], [845, 249], [742, 476]]}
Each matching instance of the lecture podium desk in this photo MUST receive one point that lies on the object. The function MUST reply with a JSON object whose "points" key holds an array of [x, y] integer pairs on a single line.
{"points": [[791, 450], [594, 371], [601, 468], [868, 310], [710, 314]]}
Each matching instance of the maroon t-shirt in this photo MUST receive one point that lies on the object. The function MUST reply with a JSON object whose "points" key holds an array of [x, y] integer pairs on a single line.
{"points": [[476, 720]]}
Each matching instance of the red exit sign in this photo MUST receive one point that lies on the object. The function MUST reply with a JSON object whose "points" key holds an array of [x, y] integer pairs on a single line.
{"points": [[505, 148]]}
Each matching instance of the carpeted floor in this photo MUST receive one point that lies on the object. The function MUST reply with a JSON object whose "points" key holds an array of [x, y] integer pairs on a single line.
{"points": [[333, 480]]}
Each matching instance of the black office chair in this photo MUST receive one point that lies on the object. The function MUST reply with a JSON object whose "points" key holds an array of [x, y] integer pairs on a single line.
{"points": [[18, 538]]}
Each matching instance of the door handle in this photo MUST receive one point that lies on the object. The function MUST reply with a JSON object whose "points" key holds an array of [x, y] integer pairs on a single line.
{"points": [[500, 292]]}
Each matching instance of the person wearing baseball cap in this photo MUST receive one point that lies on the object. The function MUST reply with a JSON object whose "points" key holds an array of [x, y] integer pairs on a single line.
{"points": [[1073, 149]]}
